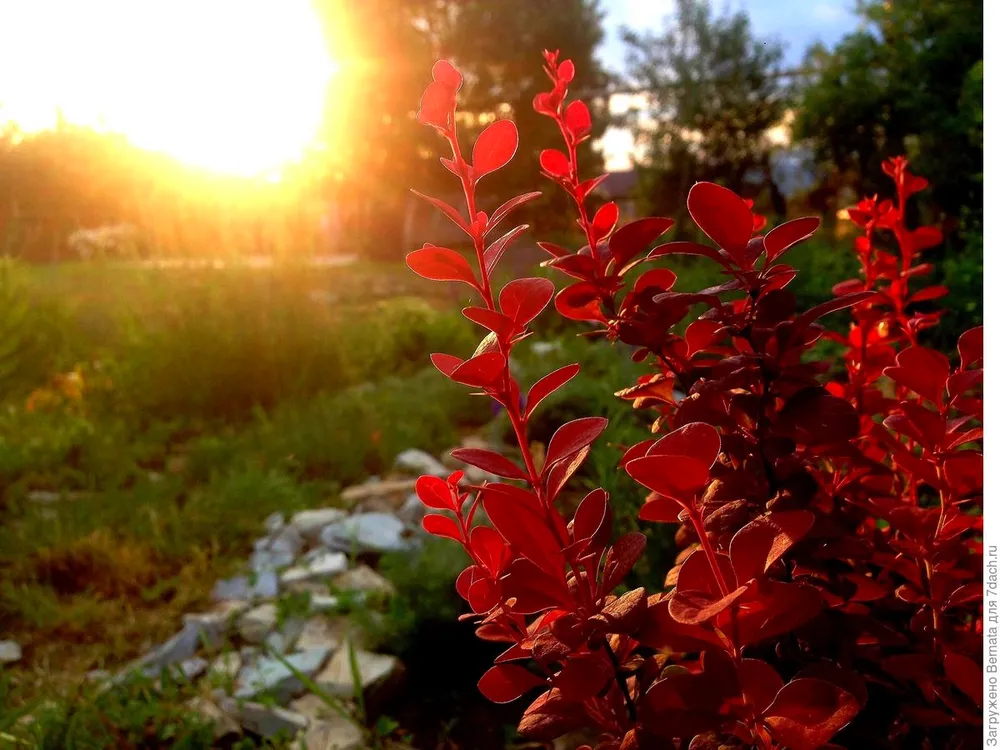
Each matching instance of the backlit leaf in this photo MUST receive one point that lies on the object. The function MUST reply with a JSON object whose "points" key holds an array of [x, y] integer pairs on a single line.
{"points": [[494, 147]]}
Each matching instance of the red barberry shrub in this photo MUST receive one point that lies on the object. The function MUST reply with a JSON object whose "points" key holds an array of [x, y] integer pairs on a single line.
{"points": [[829, 586]]}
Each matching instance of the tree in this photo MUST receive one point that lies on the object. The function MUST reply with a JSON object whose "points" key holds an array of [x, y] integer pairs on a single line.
{"points": [[908, 81], [384, 47], [712, 91], [497, 43]]}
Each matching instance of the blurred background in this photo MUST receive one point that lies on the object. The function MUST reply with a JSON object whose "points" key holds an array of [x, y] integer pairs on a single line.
{"points": [[205, 316]]}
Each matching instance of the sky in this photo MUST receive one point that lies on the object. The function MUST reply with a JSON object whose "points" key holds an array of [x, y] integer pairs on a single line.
{"points": [[796, 24], [203, 104]]}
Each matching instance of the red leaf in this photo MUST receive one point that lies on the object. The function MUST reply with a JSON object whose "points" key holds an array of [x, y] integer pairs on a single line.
{"points": [[759, 544], [660, 510], [494, 147], [447, 74], [657, 278], [504, 683], [491, 320], [722, 215], [526, 530], [489, 547], [928, 293], [693, 607], [444, 208], [436, 106], [573, 436], [580, 302], [441, 264], [622, 557], [687, 248], [509, 206], [630, 240], [605, 220], [700, 335], [759, 682], [964, 472], [970, 347], [592, 520], [807, 713], [554, 163], [484, 595], [925, 237], [695, 440], [445, 363], [814, 416], [671, 476], [561, 471], [532, 590], [434, 492], [584, 676], [551, 715], [924, 371], [842, 302], [442, 526], [522, 300], [783, 236], [490, 461], [577, 119], [548, 385], [556, 251], [499, 246], [965, 674], [481, 370]]}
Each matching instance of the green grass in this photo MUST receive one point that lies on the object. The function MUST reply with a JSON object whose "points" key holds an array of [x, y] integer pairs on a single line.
{"points": [[200, 402]]}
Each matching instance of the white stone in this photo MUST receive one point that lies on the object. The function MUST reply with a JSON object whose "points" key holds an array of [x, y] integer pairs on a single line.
{"points": [[265, 560], [264, 586], [414, 461], [226, 666], [273, 675], [378, 532], [193, 668], [363, 578], [282, 640], [219, 620], [310, 522], [254, 625], [321, 631], [319, 603], [264, 720], [10, 652], [336, 734], [377, 489], [541, 348], [274, 523], [337, 680], [222, 723], [287, 540], [328, 729], [321, 567]]}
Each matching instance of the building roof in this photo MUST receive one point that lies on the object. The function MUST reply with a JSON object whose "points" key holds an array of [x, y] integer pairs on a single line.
{"points": [[619, 184]]}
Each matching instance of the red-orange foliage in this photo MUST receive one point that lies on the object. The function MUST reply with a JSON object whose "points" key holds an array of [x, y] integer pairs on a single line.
{"points": [[829, 583]]}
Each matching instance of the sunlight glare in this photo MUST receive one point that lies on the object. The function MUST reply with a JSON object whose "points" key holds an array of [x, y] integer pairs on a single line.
{"points": [[234, 86]]}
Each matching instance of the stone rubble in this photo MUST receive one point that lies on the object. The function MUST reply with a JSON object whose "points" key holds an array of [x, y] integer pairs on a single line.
{"points": [[10, 652], [288, 615]]}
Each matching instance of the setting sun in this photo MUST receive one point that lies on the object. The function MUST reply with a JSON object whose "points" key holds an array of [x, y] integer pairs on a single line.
{"points": [[234, 86]]}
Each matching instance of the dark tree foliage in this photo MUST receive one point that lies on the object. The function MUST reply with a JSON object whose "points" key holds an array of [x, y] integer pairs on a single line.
{"points": [[713, 92], [910, 80]]}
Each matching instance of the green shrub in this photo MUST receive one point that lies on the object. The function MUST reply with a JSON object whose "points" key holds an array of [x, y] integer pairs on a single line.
{"points": [[140, 713]]}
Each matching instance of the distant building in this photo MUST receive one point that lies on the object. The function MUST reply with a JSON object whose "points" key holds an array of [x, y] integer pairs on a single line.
{"points": [[622, 188]]}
